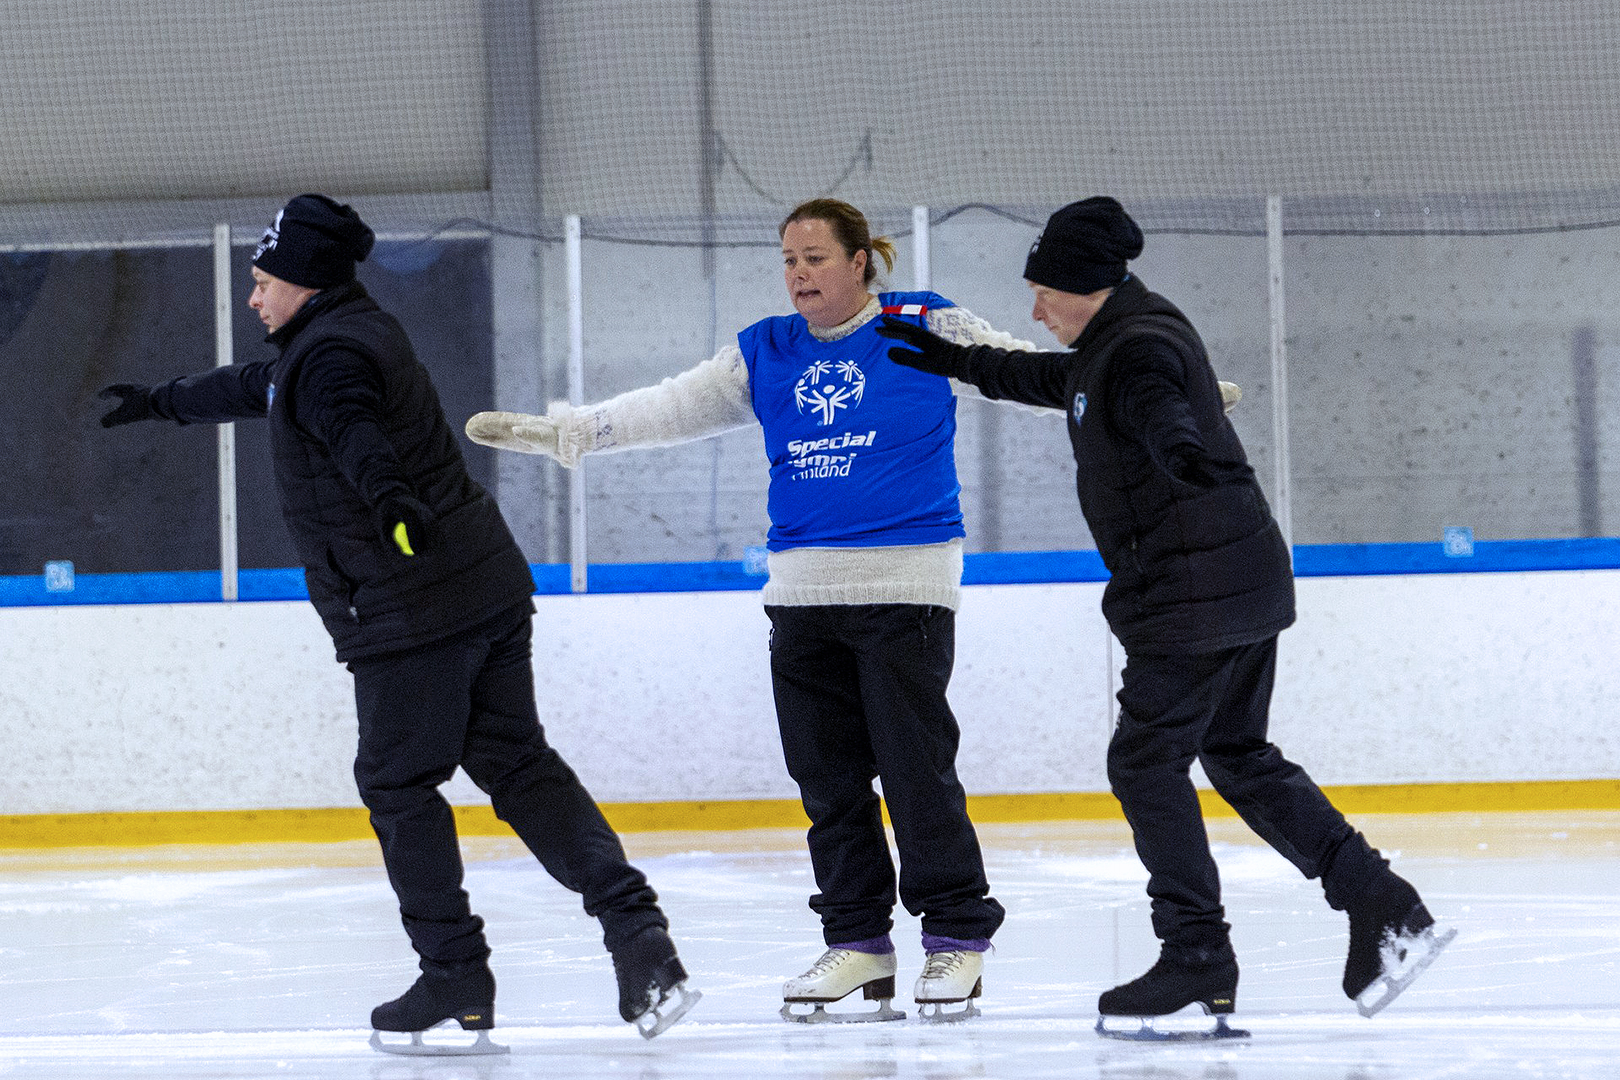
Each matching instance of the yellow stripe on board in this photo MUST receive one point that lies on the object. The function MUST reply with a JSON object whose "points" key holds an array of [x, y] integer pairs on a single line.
{"points": [[350, 823]]}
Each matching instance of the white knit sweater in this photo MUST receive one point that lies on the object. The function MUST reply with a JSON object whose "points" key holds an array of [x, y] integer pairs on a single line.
{"points": [[714, 397]]}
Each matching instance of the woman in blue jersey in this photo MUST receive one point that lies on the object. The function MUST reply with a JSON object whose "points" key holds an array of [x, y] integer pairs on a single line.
{"points": [[865, 570]]}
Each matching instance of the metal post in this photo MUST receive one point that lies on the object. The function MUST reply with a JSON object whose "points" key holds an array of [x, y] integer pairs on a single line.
{"points": [[576, 397], [708, 144], [530, 493], [1282, 465], [1588, 452], [224, 354], [920, 270]]}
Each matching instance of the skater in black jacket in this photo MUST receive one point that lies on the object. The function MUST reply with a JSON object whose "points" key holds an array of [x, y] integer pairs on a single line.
{"points": [[1201, 585], [429, 602]]}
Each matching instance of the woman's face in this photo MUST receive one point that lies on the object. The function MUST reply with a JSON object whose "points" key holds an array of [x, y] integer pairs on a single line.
{"points": [[826, 285]]}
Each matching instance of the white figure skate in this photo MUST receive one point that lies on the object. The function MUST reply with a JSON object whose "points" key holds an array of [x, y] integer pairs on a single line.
{"points": [[947, 978], [839, 973]]}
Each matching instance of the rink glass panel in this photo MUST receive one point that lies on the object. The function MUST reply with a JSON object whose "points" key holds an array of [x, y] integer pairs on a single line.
{"points": [[145, 497], [1434, 382], [135, 498]]}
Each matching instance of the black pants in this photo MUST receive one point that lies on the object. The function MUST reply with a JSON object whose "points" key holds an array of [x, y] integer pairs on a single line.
{"points": [[469, 701], [860, 694], [1215, 707]]}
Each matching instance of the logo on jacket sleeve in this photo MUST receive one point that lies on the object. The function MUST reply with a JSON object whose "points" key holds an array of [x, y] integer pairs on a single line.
{"points": [[1079, 408], [828, 386]]}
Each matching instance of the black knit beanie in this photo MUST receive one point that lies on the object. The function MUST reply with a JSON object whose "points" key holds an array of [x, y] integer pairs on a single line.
{"points": [[314, 242], [1084, 247]]}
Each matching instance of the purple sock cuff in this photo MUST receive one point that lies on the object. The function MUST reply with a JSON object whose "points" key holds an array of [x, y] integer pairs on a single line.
{"points": [[875, 946], [933, 943]]}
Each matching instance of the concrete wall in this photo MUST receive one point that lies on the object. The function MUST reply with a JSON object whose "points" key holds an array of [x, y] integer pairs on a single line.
{"points": [[656, 697]]}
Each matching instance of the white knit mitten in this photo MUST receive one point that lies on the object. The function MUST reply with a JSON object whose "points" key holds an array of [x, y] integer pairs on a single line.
{"points": [[496, 429], [565, 434]]}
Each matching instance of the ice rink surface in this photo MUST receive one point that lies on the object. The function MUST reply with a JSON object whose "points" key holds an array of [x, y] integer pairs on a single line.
{"points": [[195, 963]]}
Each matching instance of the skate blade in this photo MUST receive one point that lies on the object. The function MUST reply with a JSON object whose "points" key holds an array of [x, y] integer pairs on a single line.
{"points": [[1144, 1031], [820, 1015], [417, 1048], [1421, 951], [939, 1016], [675, 1004]]}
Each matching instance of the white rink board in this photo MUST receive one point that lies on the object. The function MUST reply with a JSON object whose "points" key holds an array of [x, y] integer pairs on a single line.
{"points": [[654, 697]]}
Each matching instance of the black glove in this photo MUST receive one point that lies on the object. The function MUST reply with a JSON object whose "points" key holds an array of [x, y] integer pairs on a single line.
{"points": [[407, 524], [928, 352], [135, 403]]}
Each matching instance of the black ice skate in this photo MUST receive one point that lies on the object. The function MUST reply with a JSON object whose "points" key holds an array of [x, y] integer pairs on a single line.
{"points": [[1182, 976], [468, 999], [1392, 940], [652, 983]]}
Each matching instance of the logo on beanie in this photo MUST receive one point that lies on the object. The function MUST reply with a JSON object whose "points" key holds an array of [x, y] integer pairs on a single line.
{"points": [[827, 387], [271, 237]]}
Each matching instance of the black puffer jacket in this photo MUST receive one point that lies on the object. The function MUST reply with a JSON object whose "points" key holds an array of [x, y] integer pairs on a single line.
{"points": [[1196, 561], [354, 418]]}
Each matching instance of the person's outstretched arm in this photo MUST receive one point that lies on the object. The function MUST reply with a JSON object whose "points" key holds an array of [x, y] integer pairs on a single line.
{"points": [[962, 327], [234, 392], [1000, 373], [1029, 376], [709, 399]]}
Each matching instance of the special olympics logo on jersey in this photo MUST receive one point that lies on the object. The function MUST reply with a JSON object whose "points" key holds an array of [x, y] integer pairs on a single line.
{"points": [[828, 386]]}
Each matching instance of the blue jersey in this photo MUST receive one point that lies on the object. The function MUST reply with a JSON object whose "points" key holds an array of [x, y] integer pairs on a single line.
{"points": [[861, 448]]}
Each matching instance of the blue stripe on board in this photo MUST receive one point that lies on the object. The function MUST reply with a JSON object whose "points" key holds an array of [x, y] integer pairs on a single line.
{"points": [[285, 584], [1489, 556], [1032, 567], [990, 568], [174, 587], [666, 577]]}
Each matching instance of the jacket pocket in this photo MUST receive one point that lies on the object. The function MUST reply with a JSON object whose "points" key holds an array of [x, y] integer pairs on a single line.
{"points": [[347, 585]]}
